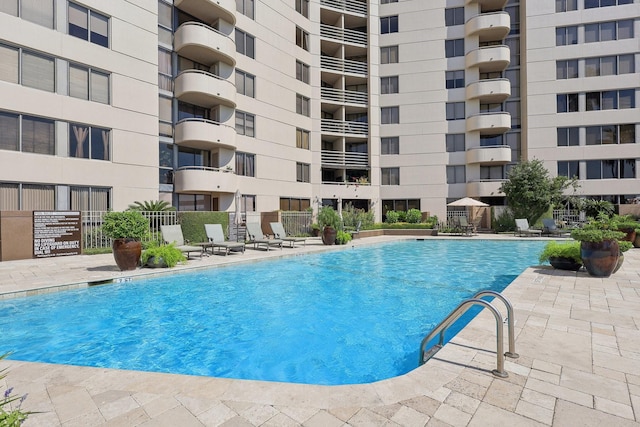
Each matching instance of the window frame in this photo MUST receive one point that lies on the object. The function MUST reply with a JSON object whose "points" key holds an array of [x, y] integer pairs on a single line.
{"points": [[303, 172], [389, 145], [245, 43], [390, 115], [243, 127], [389, 24], [303, 72], [390, 176], [91, 36], [389, 85], [245, 80], [245, 164]]}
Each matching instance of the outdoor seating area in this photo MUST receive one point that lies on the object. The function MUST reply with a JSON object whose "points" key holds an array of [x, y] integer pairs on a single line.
{"points": [[280, 234], [173, 234], [523, 229], [217, 241], [256, 237]]}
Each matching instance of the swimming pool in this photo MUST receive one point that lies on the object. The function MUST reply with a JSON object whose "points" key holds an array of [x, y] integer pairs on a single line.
{"points": [[344, 317]]}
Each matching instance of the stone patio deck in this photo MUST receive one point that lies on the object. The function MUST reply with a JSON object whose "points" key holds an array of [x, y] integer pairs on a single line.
{"points": [[578, 338]]}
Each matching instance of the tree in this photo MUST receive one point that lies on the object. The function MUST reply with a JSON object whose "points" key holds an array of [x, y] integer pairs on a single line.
{"points": [[530, 191]]}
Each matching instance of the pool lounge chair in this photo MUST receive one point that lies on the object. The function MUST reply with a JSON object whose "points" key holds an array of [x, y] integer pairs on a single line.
{"points": [[466, 228], [173, 234], [279, 233], [549, 227], [217, 240], [522, 228], [255, 236]]}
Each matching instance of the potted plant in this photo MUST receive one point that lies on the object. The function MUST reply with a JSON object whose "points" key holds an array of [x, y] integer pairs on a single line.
{"points": [[126, 229], [562, 255], [599, 248], [343, 237], [161, 256], [627, 225], [330, 222], [624, 245]]}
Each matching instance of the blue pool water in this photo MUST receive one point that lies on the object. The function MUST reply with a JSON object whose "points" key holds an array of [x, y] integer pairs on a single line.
{"points": [[344, 317]]}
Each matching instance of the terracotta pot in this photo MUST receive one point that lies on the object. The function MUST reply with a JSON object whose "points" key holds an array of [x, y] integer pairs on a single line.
{"points": [[630, 234], [600, 258], [619, 263], [329, 235], [562, 263], [127, 253]]}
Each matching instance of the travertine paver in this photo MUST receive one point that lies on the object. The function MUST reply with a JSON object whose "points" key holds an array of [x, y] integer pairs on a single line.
{"points": [[578, 338]]}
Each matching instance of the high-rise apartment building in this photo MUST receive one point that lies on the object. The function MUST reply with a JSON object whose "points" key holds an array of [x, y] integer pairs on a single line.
{"points": [[291, 104]]}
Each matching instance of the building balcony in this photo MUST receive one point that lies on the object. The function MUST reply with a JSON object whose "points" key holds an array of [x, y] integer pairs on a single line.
{"points": [[489, 123], [204, 44], [485, 188], [488, 58], [490, 155], [344, 128], [209, 10], [488, 26], [344, 96], [204, 89], [343, 35], [204, 134], [343, 66], [489, 91], [351, 6], [204, 180], [341, 159], [489, 4]]}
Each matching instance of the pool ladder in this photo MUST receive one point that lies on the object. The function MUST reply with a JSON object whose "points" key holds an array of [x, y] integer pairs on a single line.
{"points": [[426, 354]]}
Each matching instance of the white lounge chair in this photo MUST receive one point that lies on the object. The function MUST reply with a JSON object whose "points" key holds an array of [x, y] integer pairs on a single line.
{"points": [[217, 240], [173, 234], [279, 233], [255, 236], [522, 228]]}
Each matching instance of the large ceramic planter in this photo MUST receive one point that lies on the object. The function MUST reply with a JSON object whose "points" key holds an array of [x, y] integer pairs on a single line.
{"points": [[619, 263], [630, 234], [636, 242], [562, 263], [329, 235], [600, 258], [127, 253]]}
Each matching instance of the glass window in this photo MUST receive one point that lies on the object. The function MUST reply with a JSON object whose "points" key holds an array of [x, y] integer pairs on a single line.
{"points": [[79, 141], [389, 24], [454, 48], [456, 174], [245, 123], [390, 115], [389, 84], [569, 169], [99, 86], [302, 138], [567, 35], [78, 21], [88, 25], [454, 16], [245, 164], [609, 100], [9, 6], [302, 38], [567, 102], [99, 25], [302, 72], [455, 110], [78, 82], [38, 197], [566, 5], [245, 83], [38, 71], [389, 55], [165, 14], [455, 142], [9, 128], [37, 11], [627, 134], [567, 69], [390, 176], [9, 64], [454, 79], [302, 7], [594, 169], [246, 7], [626, 64], [607, 31], [567, 137], [302, 172], [165, 67], [625, 29], [245, 43], [390, 145], [627, 168], [100, 143], [627, 98], [38, 135], [303, 105]]}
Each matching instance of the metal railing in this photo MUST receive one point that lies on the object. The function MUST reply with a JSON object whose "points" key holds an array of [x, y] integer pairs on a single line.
{"points": [[92, 227], [343, 65], [339, 126], [296, 223], [346, 5], [426, 354], [344, 159], [344, 96], [343, 35]]}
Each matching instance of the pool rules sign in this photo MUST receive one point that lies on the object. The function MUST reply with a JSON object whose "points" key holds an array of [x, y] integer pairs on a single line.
{"points": [[56, 233]]}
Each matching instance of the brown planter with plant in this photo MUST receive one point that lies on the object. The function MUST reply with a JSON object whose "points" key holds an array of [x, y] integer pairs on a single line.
{"points": [[126, 229], [599, 246]]}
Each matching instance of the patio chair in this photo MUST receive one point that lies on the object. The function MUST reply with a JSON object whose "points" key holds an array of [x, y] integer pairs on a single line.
{"points": [[255, 236], [522, 228], [217, 240], [467, 229], [550, 228], [173, 234], [279, 233]]}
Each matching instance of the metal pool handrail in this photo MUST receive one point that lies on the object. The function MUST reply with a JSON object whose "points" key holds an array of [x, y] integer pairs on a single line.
{"points": [[510, 320], [451, 318]]}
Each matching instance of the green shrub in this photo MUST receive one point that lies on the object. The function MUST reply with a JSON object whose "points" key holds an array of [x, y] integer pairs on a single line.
{"points": [[414, 216], [329, 217], [192, 224], [169, 254], [564, 250], [504, 222], [125, 225], [392, 217], [343, 237], [432, 222]]}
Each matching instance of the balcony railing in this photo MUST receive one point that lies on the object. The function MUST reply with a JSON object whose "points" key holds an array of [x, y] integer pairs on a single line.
{"points": [[344, 159], [343, 35], [343, 65], [346, 5], [339, 126], [344, 96]]}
